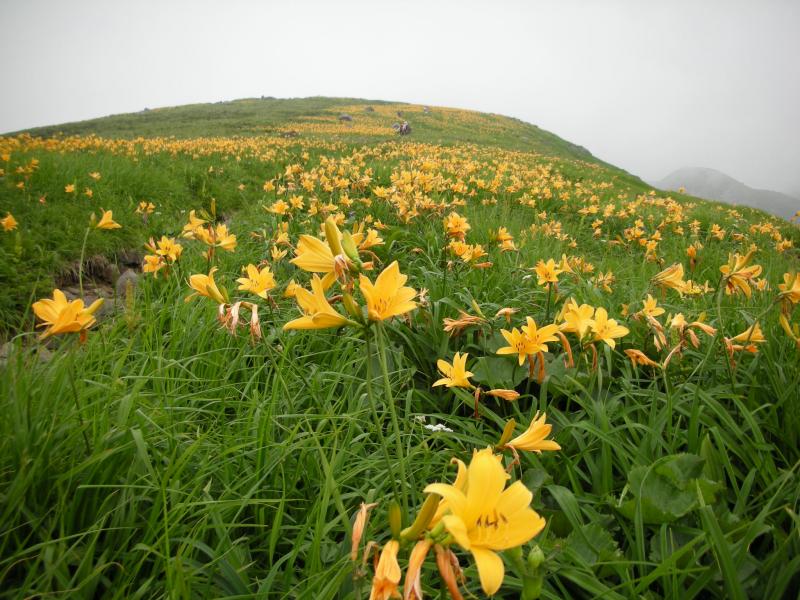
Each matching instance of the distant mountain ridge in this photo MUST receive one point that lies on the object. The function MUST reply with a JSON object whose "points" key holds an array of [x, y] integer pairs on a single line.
{"points": [[716, 185]]}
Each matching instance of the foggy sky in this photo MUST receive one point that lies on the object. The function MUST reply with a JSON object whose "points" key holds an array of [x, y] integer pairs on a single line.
{"points": [[647, 86]]}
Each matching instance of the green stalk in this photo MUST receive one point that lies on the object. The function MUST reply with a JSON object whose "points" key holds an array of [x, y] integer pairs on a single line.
{"points": [[720, 333], [71, 371], [375, 417], [80, 264], [549, 296], [389, 397]]}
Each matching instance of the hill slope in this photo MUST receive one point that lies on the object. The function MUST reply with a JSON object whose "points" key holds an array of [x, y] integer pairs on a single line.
{"points": [[713, 184], [371, 119]]}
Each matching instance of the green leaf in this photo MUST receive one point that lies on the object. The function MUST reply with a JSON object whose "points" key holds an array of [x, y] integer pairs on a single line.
{"points": [[498, 372], [668, 490]]}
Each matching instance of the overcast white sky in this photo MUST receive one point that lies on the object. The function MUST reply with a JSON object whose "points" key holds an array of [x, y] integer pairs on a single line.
{"points": [[648, 86]]}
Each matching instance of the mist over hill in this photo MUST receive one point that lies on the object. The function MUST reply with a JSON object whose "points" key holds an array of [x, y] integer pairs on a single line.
{"points": [[715, 185]]}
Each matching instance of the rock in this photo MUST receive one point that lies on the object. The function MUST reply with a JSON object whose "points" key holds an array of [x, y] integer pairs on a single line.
{"points": [[5, 352], [121, 286], [44, 354], [345, 117], [129, 258]]}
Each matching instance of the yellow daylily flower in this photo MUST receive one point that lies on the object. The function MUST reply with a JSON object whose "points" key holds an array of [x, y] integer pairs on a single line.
{"points": [[153, 264], [59, 315], [751, 335], [547, 272], [314, 255], [651, 308], [485, 517], [388, 297], [455, 375], [204, 285], [456, 226], [258, 282], [738, 274], [533, 440], [607, 330], [166, 248], [107, 221], [194, 225], [278, 208], [540, 336], [373, 239], [8, 222], [671, 277], [318, 313], [145, 208], [518, 343], [790, 288], [223, 238], [577, 319]]}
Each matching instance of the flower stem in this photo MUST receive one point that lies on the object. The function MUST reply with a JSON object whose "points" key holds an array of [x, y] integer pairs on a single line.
{"points": [[549, 296], [720, 331], [82, 425], [376, 418], [389, 399], [80, 264]]}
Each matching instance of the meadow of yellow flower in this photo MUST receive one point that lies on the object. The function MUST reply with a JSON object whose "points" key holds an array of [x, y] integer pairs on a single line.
{"points": [[612, 370]]}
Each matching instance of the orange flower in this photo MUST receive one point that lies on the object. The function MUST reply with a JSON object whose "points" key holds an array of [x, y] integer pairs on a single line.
{"points": [[387, 574]]}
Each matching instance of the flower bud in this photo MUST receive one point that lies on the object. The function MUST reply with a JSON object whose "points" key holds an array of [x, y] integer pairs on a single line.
{"points": [[352, 307], [349, 247], [535, 557], [332, 235], [395, 519], [424, 517], [508, 431]]}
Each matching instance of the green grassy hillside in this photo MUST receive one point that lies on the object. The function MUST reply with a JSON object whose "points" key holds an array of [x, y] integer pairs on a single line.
{"points": [[213, 430], [254, 116]]}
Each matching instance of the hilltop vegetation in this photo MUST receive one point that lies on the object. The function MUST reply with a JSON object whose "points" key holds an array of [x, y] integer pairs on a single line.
{"points": [[371, 314], [371, 121]]}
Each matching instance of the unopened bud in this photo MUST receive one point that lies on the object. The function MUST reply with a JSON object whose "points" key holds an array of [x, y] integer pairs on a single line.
{"points": [[423, 519], [349, 247], [395, 519], [477, 309], [535, 557], [352, 307], [508, 431], [332, 235]]}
